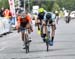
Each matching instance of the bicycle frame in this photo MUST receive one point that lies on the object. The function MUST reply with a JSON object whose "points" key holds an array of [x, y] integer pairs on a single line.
{"points": [[48, 29], [48, 35], [25, 41]]}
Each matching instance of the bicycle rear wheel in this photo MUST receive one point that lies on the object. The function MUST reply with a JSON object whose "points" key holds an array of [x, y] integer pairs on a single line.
{"points": [[48, 37]]}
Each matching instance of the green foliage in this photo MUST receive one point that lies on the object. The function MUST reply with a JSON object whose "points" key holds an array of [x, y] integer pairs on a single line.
{"points": [[68, 4], [55, 7], [16, 2], [4, 3], [50, 5], [47, 4]]}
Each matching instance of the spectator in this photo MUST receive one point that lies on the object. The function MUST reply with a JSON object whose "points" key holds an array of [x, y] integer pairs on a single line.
{"points": [[1, 12], [8, 15]]}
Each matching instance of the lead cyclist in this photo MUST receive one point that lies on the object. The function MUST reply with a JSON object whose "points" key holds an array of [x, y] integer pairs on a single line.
{"points": [[51, 19]]}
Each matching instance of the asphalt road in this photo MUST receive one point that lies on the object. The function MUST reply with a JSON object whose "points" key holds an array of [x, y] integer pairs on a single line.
{"points": [[64, 44]]}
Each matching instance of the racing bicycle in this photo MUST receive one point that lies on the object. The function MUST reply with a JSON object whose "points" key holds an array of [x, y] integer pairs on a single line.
{"points": [[26, 41]]}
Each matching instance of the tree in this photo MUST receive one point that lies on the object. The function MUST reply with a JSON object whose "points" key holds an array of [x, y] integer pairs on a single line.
{"points": [[4, 3], [16, 3], [55, 7], [68, 4]]}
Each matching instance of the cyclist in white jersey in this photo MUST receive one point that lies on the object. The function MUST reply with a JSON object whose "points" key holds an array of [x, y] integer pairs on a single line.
{"points": [[51, 17]]}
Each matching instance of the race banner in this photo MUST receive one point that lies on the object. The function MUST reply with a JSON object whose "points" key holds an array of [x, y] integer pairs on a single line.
{"points": [[12, 7]]}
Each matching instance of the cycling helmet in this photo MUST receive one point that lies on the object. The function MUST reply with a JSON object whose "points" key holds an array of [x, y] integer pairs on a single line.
{"points": [[22, 17], [41, 10], [48, 15]]}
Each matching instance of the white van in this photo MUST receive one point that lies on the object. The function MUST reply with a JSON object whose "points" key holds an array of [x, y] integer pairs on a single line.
{"points": [[35, 9]]}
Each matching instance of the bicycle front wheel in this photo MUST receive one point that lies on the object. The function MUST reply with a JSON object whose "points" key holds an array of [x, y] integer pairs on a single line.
{"points": [[47, 46], [27, 44]]}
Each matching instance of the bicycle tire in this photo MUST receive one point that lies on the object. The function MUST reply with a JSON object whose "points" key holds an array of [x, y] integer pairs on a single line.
{"points": [[42, 31], [27, 45], [47, 46], [27, 48], [47, 39]]}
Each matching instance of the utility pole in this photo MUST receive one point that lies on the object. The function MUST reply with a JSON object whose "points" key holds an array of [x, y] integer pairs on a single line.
{"points": [[24, 5], [28, 6]]}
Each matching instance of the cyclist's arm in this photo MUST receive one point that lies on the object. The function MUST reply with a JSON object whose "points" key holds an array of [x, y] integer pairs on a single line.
{"points": [[45, 16], [18, 22]]}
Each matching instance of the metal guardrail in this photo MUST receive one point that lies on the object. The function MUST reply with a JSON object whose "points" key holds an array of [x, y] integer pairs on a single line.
{"points": [[4, 25]]}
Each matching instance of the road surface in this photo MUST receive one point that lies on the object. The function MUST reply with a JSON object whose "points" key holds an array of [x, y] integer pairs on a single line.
{"points": [[64, 44]]}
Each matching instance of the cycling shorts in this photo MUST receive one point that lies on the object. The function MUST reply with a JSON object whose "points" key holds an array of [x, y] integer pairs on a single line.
{"points": [[50, 21], [22, 29]]}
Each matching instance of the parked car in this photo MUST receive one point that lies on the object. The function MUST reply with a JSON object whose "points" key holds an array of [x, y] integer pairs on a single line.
{"points": [[72, 15]]}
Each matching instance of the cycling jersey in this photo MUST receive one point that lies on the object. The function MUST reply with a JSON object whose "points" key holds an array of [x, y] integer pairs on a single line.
{"points": [[27, 18], [23, 21], [41, 15], [52, 16]]}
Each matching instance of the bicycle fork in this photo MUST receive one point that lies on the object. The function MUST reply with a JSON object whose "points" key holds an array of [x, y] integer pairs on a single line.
{"points": [[26, 43]]}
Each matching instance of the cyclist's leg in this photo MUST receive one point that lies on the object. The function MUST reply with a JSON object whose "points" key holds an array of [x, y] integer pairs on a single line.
{"points": [[22, 35], [57, 19], [41, 27], [28, 32], [36, 21], [26, 35], [44, 27], [30, 29], [28, 26], [69, 19], [39, 24], [22, 32], [44, 30], [53, 27]]}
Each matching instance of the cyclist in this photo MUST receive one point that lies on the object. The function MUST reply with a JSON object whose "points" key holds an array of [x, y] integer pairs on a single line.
{"points": [[57, 16], [40, 19], [24, 22], [68, 18], [51, 17]]}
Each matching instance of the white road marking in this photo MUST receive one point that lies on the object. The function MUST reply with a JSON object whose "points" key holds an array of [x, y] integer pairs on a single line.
{"points": [[2, 48]]}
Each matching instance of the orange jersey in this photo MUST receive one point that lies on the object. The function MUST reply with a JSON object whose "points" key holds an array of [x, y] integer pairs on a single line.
{"points": [[28, 18], [19, 19], [7, 13]]}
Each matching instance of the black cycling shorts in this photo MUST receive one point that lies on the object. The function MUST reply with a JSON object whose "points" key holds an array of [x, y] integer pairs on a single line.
{"points": [[50, 22]]}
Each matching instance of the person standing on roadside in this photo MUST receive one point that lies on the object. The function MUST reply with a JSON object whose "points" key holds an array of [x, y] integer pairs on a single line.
{"points": [[1, 12], [8, 16]]}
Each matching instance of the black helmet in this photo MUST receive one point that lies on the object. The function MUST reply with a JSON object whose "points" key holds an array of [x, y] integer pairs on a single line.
{"points": [[48, 15]]}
